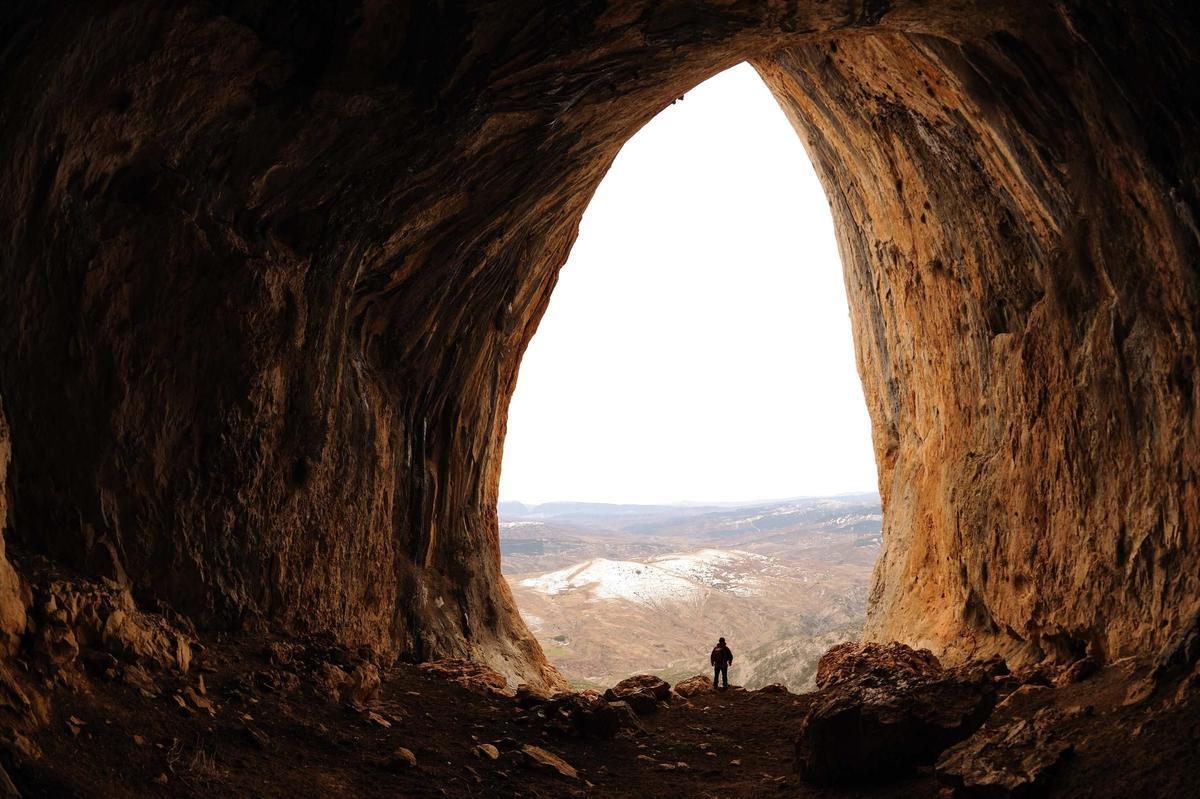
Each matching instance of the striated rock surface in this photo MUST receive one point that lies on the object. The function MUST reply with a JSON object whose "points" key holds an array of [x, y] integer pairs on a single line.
{"points": [[14, 597], [270, 269], [1016, 211], [1015, 760]]}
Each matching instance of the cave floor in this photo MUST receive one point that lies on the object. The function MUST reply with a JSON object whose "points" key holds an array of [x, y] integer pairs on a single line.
{"points": [[272, 734]]}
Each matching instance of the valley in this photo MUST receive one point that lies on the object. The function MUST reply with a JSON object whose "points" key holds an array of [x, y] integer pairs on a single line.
{"points": [[613, 590]]}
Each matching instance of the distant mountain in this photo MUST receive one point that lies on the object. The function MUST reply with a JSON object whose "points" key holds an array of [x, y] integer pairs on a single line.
{"points": [[855, 513]]}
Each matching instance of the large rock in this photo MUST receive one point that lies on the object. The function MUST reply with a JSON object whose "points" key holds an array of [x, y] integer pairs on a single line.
{"points": [[269, 271], [1018, 759], [694, 686], [587, 714], [867, 727], [642, 692], [874, 663], [659, 688]]}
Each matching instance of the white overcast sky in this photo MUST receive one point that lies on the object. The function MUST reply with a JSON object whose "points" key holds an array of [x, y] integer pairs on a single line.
{"points": [[697, 347]]}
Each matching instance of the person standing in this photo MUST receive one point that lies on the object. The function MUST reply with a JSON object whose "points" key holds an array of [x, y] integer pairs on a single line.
{"points": [[720, 658]]}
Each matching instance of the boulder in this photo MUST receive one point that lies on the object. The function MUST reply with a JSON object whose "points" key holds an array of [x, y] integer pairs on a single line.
{"points": [[660, 688], [774, 688], [588, 715], [364, 683], [643, 701], [869, 723], [692, 686], [1015, 760], [330, 680], [873, 662]]}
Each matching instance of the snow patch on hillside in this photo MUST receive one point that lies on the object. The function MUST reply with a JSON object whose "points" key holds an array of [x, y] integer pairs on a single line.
{"points": [[616, 579], [676, 577]]}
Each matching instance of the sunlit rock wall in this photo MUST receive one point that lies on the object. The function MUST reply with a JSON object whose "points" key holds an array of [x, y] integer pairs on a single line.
{"points": [[1017, 217]]}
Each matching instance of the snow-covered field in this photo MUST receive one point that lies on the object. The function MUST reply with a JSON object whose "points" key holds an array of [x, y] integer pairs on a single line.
{"points": [[674, 577]]}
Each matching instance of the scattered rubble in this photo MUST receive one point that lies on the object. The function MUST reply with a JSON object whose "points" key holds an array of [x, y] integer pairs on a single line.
{"points": [[475, 677]]}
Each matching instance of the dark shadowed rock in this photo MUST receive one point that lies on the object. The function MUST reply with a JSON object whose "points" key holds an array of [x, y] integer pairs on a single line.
{"points": [[868, 724], [774, 688], [1016, 760], [642, 701], [587, 714]]}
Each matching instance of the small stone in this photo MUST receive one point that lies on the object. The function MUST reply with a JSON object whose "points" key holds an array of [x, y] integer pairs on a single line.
{"points": [[735, 762], [402, 759], [537, 757], [199, 701], [487, 751], [139, 740], [161, 779]]}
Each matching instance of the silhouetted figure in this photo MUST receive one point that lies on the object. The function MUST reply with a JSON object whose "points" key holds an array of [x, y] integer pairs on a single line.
{"points": [[721, 657]]}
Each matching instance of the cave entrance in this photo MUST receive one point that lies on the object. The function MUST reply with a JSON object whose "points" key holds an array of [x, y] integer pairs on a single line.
{"points": [[694, 367]]}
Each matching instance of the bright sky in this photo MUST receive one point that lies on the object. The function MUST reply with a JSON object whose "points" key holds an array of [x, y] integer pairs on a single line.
{"points": [[697, 346]]}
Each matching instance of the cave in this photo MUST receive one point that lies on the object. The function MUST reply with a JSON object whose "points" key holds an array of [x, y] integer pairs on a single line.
{"points": [[269, 270]]}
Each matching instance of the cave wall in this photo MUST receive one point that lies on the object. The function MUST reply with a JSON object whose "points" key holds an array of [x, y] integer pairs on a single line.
{"points": [[269, 271], [1016, 214]]}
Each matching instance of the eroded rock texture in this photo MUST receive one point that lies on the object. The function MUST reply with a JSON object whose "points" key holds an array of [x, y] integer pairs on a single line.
{"points": [[269, 270], [1017, 220]]}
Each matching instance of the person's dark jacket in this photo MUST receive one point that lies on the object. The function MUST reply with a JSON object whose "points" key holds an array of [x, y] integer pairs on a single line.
{"points": [[721, 656]]}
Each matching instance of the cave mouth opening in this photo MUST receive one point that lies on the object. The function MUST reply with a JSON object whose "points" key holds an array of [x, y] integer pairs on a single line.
{"points": [[695, 366]]}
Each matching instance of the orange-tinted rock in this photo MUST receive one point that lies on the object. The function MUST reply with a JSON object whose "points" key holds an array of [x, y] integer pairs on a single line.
{"points": [[874, 662], [474, 677], [269, 272], [13, 596], [659, 688]]}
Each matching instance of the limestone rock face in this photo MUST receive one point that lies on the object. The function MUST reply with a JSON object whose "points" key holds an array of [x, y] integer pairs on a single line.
{"points": [[1016, 215], [269, 270], [14, 598]]}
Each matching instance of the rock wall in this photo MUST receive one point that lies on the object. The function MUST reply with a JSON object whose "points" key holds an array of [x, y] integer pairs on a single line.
{"points": [[13, 599], [270, 269], [1017, 217]]}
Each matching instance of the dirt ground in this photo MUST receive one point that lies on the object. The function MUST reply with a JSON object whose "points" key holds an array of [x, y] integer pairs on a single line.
{"points": [[271, 734]]}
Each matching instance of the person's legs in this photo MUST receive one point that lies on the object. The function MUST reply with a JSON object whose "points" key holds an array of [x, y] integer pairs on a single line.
{"points": [[724, 672], [716, 673]]}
